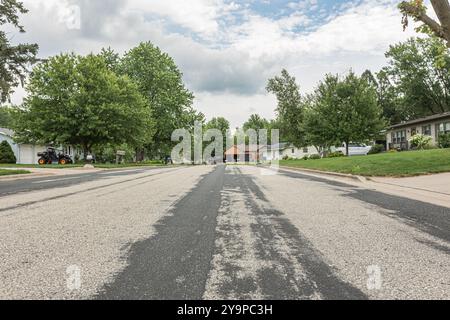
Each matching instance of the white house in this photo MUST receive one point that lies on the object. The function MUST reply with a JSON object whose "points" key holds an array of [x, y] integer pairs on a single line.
{"points": [[283, 150], [27, 153]]}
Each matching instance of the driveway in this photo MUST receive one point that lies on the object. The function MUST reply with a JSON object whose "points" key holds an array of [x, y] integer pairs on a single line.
{"points": [[218, 233]]}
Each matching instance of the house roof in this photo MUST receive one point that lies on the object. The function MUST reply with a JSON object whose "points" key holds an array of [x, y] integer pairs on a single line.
{"points": [[421, 120], [6, 132]]}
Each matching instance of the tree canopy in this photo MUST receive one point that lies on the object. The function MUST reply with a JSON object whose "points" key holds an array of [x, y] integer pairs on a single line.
{"points": [[419, 70], [14, 59], [290, 109], [78, 100], [6, 119], [343, 111], [160, 81]]}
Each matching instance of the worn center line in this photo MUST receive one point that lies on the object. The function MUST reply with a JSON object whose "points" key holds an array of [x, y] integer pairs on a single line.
{"points": [[55, 180], [261, 255]]}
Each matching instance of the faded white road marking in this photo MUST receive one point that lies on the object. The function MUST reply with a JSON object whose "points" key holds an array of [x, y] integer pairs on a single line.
{"points": [[54, 180]]}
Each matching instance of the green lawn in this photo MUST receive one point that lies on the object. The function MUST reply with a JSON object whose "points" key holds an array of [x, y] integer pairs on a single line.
{"points": [[400, 164], [4, 172]]}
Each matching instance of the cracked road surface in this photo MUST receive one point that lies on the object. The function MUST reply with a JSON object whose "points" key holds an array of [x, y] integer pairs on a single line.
{"points": [[224, 232]]}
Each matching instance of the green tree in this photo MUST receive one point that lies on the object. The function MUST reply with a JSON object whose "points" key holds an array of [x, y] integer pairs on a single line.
{"points": [[112, 59], [391, 101], [343, 110], [6, 153], [6, 120], [291, 107], [78, 101], [388, 97], [256, 122], [160, 82], [420, 71], [14, 60], [216, 123], [221, 124]]}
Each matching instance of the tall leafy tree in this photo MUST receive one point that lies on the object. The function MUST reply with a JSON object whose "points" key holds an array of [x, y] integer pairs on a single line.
{"points": [[391, 101], [221, 124], [343, 110], [290, 110], [6, 119], [420, 71], [14, 59], [112, 58], [256, 122], [217, 123], [78, 101], [160, 82], [388, 97]]}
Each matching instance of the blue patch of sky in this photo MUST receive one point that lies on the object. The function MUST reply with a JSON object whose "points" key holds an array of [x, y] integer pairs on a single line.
{"points": [[319, 13], [279, 8]]}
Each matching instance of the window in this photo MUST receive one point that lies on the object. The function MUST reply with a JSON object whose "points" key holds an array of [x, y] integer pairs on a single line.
{"points": [[399, 137], [293, 151], [305, 150], [444, 127], [426, 130]]}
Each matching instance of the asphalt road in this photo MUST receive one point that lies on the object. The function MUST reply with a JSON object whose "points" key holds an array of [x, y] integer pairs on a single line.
{"points": [[217, 233]]}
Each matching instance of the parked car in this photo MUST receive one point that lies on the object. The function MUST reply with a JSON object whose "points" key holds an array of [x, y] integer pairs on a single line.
{"points": [[50, 156], [355, 149]]}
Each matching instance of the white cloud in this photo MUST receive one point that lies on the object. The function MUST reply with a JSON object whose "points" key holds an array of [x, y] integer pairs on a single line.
{"points": [[226, 58]]}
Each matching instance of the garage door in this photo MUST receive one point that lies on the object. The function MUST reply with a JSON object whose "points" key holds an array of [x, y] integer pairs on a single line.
{"points": [[26, 154]]}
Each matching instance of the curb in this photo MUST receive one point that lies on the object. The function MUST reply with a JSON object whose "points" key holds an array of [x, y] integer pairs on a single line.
{"points": [[327, 173]]}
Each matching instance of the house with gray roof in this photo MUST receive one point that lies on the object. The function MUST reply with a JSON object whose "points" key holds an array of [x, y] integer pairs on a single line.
{"points": [[398, 135]]}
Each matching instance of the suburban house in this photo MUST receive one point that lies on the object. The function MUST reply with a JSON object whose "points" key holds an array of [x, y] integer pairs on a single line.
{"points": [[27, 153], [398, 135], [243, 153], [286, 150]]}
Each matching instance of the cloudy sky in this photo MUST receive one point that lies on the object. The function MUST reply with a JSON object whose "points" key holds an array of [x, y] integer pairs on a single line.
{"points": [[226, 49]]}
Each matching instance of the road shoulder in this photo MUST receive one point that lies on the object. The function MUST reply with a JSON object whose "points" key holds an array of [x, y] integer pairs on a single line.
{"points": [[421, 188]]}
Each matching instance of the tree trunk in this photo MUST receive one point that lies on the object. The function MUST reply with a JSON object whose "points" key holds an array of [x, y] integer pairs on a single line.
{"points": [[442, 9], [347, 148]]}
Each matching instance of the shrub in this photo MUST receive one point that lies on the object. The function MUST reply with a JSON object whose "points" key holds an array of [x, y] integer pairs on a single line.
{"points": [[6, 153], [420, 141], [444, 140], [305, 158], [338, 154], [315, 157], [286, 158], [378, 148]]}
